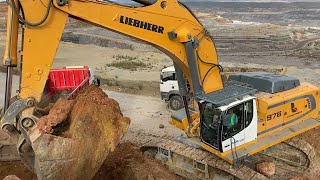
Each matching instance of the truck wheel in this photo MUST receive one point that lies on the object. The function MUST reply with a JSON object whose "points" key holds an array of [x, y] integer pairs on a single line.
{"points": [[175, 102]]}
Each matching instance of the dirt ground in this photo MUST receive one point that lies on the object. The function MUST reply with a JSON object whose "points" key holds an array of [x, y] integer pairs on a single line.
{"points": [[15, 168], [126, 163], [312, 137]]}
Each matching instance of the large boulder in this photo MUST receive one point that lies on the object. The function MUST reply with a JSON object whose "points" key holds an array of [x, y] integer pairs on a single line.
{"points": [[266, 168], [74, 139], [11, 177]]}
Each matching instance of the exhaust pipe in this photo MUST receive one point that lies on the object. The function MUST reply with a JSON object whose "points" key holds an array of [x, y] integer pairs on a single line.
{"points": [[146, 2]]}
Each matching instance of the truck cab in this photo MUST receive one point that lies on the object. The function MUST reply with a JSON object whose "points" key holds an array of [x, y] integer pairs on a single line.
{"points": [[169, 88]]}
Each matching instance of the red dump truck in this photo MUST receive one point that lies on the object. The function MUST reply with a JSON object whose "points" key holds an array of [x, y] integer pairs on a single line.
{"points": [[68, 80]]}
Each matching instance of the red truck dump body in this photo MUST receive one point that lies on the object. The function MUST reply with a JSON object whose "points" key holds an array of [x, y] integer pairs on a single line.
{"points": [[69, 79]]}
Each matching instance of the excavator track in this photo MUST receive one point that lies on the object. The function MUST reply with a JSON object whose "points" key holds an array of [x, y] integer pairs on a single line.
{"points": [[293, 157], [195, 163]]}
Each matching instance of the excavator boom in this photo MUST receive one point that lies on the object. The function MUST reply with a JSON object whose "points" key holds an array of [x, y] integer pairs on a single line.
{"points": [[167, 25]]}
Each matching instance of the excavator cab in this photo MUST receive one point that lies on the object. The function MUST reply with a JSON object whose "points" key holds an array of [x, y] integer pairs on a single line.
{"points": [[224, 126]]}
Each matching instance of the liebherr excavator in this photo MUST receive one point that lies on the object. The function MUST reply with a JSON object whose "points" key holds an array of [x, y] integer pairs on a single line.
{"points": [[265, 109]]}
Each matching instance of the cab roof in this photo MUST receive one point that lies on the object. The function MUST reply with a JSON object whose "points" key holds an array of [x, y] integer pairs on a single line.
{"points": [[232, 92], [168, 69]]}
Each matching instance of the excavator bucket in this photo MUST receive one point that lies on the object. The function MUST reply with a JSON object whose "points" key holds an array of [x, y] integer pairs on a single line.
{"points": [[74, 139], [8, 148]]}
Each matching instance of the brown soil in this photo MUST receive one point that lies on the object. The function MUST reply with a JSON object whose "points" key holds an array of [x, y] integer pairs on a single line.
{"points": [[57, 115], [128, 163], [312, 137], [16, 168], [3, 8]]}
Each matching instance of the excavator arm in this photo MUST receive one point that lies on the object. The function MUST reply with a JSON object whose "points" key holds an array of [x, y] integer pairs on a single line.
{"points": [[167, 25]]}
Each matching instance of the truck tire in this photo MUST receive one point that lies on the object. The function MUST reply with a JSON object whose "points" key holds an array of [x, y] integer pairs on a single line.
{"points": [[175, 102]]}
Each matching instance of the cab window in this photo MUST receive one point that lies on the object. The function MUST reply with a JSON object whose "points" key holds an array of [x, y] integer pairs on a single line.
{"points": [[210, 125], [233, 121], [249, 112], [167, 76]]}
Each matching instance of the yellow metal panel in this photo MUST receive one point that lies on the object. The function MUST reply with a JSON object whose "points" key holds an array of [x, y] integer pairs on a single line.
{"points": [[40, 45], [274, 117], [185, 124], [284, 109], [12, 37], [262, 109]]}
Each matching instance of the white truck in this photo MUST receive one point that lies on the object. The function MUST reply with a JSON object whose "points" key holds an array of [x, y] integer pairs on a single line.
{"points": [[169, 88]]}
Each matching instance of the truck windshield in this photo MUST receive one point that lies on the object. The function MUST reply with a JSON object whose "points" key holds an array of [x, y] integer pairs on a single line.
{"points": [[167, 76], [210, 124]]}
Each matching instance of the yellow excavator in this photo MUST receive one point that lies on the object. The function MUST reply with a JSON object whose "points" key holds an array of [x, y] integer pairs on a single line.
{"points": [[234, 119]]}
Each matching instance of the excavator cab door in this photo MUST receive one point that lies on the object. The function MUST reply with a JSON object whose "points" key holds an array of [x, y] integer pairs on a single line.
{"points": [[239, 124], [233, 127], [210, 125]]}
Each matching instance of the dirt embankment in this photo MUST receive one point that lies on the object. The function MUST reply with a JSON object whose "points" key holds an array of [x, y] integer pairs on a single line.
{"points": [[128, 163]]}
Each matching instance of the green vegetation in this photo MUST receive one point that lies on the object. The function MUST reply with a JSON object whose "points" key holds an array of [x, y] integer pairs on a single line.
{"points": [[128, 62], [124, 57]]}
